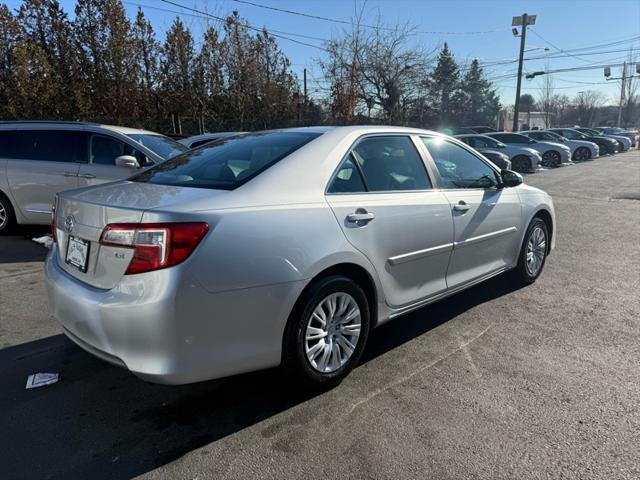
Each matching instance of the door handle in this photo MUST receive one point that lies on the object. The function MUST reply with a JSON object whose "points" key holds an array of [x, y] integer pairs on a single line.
{"points": [[69, 174], [462, 206], [360, 216], [86, 175]]}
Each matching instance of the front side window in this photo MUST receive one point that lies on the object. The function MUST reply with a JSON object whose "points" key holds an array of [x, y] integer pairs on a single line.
{"points": [[104, 151], [458, 167], [227, 163], [390, 163], [50, 145]]}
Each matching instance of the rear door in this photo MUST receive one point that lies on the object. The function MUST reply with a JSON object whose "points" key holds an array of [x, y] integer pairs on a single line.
{"points": [[383, 198], [103, 150], [486, 219], [43, 163]]}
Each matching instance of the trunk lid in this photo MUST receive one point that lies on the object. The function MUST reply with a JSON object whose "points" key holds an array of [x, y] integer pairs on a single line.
{"points": [[81, 216]]}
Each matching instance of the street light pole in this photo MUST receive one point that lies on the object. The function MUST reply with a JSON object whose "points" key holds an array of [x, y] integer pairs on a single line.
{"points": [[516, 108], [624, 80]]}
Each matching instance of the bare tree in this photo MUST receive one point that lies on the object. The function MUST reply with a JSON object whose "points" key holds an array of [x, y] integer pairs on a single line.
{"points": [[587, 103], [546, 99], [630, 89]]}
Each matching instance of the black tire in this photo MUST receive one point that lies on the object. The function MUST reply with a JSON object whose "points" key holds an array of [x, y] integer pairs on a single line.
{"points": [[521, 164], [295, 359], [582, 154], [7, 216], [551, 159], [522, 273]]}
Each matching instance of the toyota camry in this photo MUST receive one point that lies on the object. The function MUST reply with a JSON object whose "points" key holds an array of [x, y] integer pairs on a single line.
{"points": [[284, 247]]}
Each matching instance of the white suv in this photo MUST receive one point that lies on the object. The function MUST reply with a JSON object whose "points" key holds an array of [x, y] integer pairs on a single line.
{"points": [[39, 159]]}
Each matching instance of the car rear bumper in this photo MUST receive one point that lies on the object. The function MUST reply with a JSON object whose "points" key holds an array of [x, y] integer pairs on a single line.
{"points": [[164, 327]]}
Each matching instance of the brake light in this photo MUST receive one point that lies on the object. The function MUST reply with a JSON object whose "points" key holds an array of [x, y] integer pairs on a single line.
{"points": [[53, 223], [155, 245]]}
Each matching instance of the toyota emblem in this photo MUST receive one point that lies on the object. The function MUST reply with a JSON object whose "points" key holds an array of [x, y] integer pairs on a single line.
{"points": [[69, 223]]}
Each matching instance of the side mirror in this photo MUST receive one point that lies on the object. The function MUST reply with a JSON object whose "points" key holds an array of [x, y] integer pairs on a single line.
{"points": [[510, 178], [127, 161]]}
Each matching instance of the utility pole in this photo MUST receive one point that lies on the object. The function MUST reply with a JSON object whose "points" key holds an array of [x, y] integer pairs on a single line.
{"points": [[624, 81], [523, 20], [304, 108]]}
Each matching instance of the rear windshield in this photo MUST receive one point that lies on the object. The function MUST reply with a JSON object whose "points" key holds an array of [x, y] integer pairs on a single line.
{"points": [[163, 146], [227, 163]]}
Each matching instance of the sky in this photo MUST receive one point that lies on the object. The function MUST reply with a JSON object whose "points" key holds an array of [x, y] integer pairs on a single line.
{"points": [[472, 28]]}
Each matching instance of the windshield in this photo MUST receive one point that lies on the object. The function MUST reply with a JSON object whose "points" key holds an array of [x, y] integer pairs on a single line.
{"points": [[159, 144], [227, 163]]}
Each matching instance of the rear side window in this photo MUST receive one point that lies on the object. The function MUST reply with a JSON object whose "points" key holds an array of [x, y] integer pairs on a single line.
{"points": [[390, 163], [50, 146], [227, 163], [348, 179], [8, 140]]}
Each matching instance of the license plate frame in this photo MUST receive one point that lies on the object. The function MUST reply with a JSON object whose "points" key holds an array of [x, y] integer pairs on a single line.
{"points": [[78, 248]]}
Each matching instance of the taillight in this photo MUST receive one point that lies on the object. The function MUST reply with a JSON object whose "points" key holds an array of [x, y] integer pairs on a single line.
{"points": [[53, 223], [155, 245]]}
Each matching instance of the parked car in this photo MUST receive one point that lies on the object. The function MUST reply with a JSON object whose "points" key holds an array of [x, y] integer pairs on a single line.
{"points": [[580, 150], [482, 129], [523, 159], [553, 154], [197, 140], [457, 130], [624, 142], [39, 159], [284, 247], [606, 145], [499, 159], [630, 134]]}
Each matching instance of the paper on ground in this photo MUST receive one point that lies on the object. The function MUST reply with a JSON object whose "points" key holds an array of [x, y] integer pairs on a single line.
{"points": [[41, 379], [45, 240]]}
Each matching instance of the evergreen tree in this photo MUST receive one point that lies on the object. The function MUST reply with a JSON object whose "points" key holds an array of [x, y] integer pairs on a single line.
{"points": [[176, 72], [8, 39], [481, 103], [146, 51], [443, 89]]}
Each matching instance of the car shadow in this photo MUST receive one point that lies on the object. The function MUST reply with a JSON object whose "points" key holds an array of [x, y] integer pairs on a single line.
{"points": [[20, 248], [101, 422]]}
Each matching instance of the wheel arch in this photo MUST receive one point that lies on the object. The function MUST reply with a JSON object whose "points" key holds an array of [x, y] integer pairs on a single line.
{"points": [[351, 270]]}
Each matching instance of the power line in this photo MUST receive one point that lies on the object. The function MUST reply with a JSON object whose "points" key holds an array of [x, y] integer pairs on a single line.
{"points": [[249, 26], [556, 47], [346, 22]]}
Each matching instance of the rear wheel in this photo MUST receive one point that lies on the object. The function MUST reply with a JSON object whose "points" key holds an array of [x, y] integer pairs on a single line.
{"points": [[533, 253], [521, 164], [327, 332], [582, 154], [551, 159], [7, 217]]}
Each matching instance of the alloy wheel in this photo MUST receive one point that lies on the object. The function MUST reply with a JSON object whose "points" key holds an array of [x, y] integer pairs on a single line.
{"points": [[332, 332], [536, 251], [582, 154], [3, 216], [551, 159]]}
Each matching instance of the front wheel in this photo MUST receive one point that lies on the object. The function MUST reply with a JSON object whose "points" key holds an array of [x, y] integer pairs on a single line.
{"points": [[582, 154], [7, 219], [327, 332], [551, 159], [521, 164], [533, 253]]}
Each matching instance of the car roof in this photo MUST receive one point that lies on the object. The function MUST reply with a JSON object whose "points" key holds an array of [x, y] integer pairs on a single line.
{"points": [[12, 124]]}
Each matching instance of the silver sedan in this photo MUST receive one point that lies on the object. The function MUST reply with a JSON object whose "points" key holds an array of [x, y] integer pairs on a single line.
{"points": [[284, 247]]}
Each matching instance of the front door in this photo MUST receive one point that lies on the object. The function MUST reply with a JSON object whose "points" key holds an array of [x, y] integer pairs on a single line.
{"points": [[43, 163], [486, 219], [102, 168], [383, 199]]}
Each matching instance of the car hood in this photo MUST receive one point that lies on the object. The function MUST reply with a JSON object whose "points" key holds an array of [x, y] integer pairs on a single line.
{"points": [[545, 145], [582, 143], [491, 151], [620, 138], [514, 150]]}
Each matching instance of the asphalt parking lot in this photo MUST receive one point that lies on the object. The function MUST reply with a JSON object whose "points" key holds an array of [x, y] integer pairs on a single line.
{"points": [[496, 382]]}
